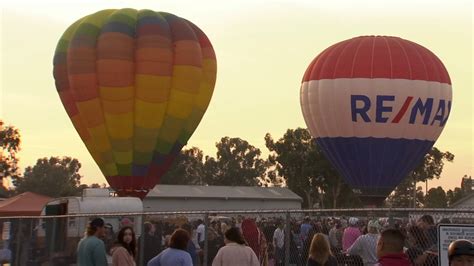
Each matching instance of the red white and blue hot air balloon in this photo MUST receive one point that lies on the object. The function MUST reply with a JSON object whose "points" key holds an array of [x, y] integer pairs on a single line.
{"points": [[376, 105]]}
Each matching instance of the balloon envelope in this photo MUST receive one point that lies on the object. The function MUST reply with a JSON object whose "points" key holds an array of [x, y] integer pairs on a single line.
{"points": [[375, 105], [135, 84]]}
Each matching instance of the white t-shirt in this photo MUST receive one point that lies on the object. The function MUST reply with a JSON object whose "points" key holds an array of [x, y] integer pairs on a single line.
{"points": [[201, 230], [279, 238]]}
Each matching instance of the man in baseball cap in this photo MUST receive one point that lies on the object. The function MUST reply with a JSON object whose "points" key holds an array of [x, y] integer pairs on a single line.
{"points": [[91, 249]]}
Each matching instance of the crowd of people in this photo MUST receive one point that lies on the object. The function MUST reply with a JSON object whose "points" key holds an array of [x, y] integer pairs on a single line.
{"points": [[256, 242]]}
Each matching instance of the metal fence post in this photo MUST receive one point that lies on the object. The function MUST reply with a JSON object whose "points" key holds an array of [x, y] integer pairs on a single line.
{"points": [[52, 240], [18, 243], [287, 238], [142, 241], [206, 240]]}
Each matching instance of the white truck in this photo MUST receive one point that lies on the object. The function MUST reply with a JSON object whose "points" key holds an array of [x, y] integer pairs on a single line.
{"points": [[59, 236]]}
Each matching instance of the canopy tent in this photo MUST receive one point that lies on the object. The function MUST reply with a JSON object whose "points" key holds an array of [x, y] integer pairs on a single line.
{"points": [[24, 204]]}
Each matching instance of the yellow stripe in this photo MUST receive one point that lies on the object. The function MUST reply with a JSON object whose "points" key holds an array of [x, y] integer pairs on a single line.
{"points": [[186, 78], [110, 169], [116, 93], [152, 88], [123, 157], [120, 126], [149, 115], [180, 104], [100, 138]]}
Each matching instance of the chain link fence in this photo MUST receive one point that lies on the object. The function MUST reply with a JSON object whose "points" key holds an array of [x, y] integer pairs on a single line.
{"points": [[278, 237]]}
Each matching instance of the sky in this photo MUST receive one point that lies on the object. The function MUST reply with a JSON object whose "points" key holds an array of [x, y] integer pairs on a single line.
{"points": [[262, 48]]}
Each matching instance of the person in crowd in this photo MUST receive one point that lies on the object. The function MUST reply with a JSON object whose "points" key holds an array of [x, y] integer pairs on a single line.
{"points": [[305, 228], [201, 230], [235, 252], [427, 224], [307, 245], [461, 253], [191, 248], [279, 244], [151, 243], [124, 251], [390, 249], [335, 236], [254, 238], [417, 244], [91, 249], [320, 253], [109, 238], [351, 233], [366, 245], [176, 254]]}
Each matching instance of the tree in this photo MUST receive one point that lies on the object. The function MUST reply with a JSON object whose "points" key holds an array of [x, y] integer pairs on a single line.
{"points": [[187, 169], [402, 196], [301, 163], [54, 177], [436, 198], [429, 168], [237, 164], [454, 195], [9, 147]]}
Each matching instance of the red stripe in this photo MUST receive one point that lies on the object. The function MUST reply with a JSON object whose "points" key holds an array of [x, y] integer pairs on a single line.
{"points": [[403, 110], [377, 57]]}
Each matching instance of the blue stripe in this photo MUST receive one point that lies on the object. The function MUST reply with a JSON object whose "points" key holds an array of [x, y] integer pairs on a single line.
{"points": [[119, 27], [139, 170], [374, 165]]}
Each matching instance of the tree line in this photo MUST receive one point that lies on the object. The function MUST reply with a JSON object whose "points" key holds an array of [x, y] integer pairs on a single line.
{"points": [[294, 161]]}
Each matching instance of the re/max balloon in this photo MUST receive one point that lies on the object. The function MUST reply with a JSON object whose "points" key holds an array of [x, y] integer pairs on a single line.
{"points": [[135, 84], [375, 105]]}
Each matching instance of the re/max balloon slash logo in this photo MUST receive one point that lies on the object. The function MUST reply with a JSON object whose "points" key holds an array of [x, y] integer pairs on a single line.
{"points": [[422, 110]]}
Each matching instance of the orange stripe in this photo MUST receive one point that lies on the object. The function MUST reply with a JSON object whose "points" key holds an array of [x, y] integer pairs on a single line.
{"points": [[115, 73], [84, 86]]}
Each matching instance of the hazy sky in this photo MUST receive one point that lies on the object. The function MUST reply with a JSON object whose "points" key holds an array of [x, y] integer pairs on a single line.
{"points": [[263, 49]]}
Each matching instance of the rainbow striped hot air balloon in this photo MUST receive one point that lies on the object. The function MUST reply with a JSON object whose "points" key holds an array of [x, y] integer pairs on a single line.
{"points": [[135, 84], [376, 105]]}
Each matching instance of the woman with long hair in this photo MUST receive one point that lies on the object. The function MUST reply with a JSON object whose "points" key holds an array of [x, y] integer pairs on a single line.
{"points": [[176, 254], [319, 252], [124, 251], [235, 252]]}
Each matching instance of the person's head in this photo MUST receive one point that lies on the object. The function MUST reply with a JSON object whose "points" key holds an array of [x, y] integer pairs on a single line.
{"points": [[179, 239], [445, 221], [125, 222], [417, 237], [96, 228], [390, 242], [126, 238], [373, 227], [280, 224], [425, 222], [233, 234], [319, 249], [199, 222], [353, 221], [109, 229], [224, 227], [188, 228], [461, 253], [149, 228], [306, 219]]}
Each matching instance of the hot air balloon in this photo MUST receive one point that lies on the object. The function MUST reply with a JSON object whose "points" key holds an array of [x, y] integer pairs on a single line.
{"points": [[135, 84], [375, 105]]}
